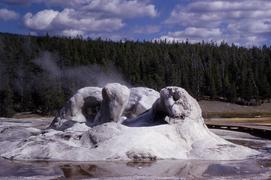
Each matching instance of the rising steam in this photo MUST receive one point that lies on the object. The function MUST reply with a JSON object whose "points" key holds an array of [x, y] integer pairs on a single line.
{"points": [[90, 75]]}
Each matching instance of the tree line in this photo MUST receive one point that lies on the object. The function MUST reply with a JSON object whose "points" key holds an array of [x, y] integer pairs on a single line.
{"points": [[29, 82]]}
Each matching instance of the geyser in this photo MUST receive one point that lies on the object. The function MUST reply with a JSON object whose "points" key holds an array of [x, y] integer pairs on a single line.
{"points": [[117, 123]]}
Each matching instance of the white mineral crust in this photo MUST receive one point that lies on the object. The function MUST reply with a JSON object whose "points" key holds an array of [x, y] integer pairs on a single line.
{"points": [[165, 126]]}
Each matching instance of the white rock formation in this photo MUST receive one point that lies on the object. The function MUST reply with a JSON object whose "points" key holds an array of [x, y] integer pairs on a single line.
{"points": [[140, 100], [172, 129], [115, 99], [82, 108]]}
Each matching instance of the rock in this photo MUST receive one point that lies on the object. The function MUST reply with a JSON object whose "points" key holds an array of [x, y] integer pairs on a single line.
{"points": [[141, 99], [172, 129], [84, 106], [115, 99], [174, 106], [177, 105], [81, 108]]}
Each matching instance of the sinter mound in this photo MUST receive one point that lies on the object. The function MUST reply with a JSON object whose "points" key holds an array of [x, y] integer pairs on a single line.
{"points": [[118, 123]]}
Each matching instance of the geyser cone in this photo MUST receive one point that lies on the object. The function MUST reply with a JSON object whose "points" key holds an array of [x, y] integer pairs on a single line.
{"points": [[171, 127]]}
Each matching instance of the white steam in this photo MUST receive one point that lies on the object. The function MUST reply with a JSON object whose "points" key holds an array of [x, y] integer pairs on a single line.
{"points": [[90, 75]]}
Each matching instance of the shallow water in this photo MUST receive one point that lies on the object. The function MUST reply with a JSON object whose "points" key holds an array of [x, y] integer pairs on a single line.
{"points": [[254, 168], [174, 169]]}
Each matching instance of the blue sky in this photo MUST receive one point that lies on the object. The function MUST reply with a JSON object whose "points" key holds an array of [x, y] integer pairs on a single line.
{"points": [[243, 22]]}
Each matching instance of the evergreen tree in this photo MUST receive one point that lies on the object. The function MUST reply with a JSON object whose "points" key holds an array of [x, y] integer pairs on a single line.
{"points": [[203, 69]]}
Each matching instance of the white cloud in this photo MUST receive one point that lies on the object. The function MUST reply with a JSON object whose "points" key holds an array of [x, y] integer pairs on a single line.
{"points": [[123, 8], [229, 5], [149, 29], [72, 32], [201, 32], [70, 18], [120, 8], [6, 14], [40, 21], [194, 34], [85, 17], [242, 22], [69, 22]]}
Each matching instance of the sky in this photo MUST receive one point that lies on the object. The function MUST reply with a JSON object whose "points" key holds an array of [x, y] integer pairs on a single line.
{"points": [[242, 22]]}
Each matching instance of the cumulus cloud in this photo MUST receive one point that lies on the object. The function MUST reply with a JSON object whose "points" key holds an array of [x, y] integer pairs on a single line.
{"points": [[72, 32], [244, 22], [85, 17], [70, 22], [120, 8], [194, 34], [149, 29], [40, 21], [123, 8], [6, 14]]}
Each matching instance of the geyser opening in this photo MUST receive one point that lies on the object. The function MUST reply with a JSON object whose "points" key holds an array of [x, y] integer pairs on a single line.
{"points": [[90, 108]]}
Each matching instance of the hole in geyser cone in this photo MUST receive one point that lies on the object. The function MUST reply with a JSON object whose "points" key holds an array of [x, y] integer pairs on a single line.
{"points": [[90, 108], [176, 96]]}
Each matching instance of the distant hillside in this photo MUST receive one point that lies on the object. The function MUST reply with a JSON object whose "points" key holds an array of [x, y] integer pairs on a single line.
{"points": [[40, 73]]}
